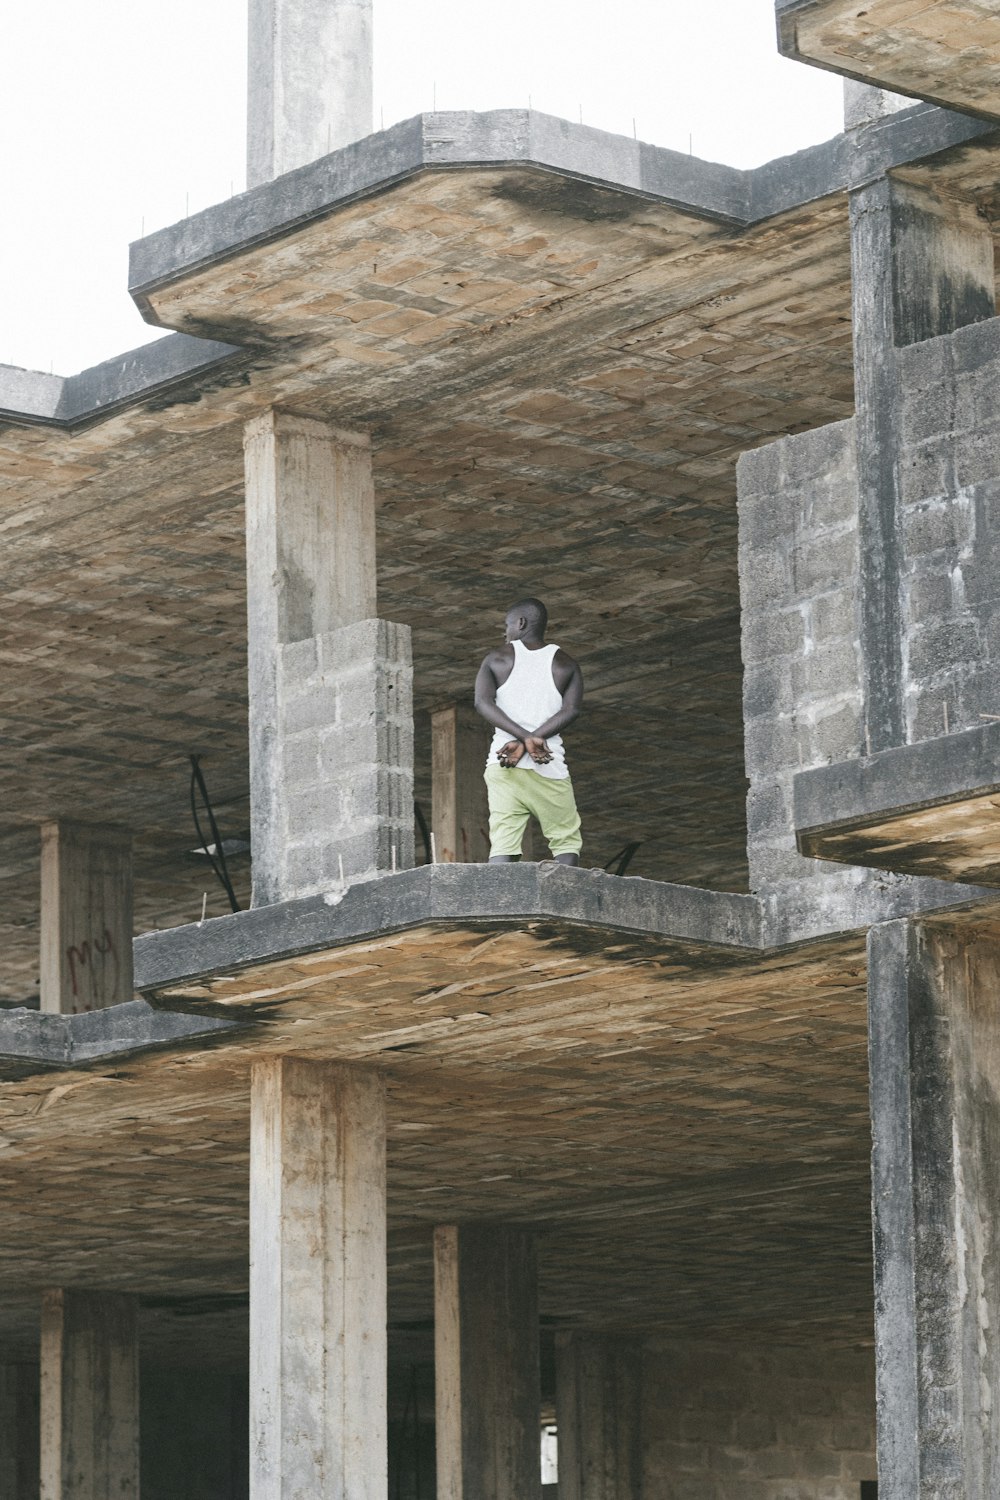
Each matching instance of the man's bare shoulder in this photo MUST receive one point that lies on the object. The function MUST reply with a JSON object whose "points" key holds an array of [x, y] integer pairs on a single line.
{"points": [[500, 656], [564, 662]]}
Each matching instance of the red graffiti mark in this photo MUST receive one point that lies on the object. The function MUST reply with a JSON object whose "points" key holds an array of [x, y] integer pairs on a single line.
{"points": [[84, 956]]}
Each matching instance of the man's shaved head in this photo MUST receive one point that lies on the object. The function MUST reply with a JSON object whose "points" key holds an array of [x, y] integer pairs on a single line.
{"points": [[533, 613]]}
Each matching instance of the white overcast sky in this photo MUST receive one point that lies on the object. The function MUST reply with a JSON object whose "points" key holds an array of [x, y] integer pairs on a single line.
{"points": [[119, 116]]}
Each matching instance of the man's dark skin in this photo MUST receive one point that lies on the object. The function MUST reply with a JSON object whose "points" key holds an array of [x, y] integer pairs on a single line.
{"points": [[493, 673]]}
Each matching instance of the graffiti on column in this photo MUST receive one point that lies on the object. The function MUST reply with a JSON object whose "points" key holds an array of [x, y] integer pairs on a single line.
{"points": [[93, 964]]}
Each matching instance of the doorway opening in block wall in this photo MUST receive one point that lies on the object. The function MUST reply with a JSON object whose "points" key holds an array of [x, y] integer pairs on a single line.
{"points": [[869, 1489]]}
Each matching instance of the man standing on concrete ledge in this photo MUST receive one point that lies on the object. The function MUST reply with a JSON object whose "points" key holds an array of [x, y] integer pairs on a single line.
{"points": [[530, 692]]}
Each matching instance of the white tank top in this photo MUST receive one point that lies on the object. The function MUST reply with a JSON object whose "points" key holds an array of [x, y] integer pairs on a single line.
{"points": [[529, 697]]}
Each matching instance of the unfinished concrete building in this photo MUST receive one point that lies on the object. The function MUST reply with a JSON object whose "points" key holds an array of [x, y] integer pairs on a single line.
{"points": [[407, 1156]]}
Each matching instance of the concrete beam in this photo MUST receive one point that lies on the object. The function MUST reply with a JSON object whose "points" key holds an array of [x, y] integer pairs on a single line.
{"points": [[935, 1083], [318, 1351], [499, 137], [926, 809], [488, 1401], [599, 1395], [70, 1041], [86, 917], [167, 961], [331, 731], [309, 81], [89, 1396]]}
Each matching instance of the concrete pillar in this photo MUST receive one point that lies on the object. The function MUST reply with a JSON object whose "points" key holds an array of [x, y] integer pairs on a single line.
{"points": [[866, 105], [89, 1396], [598, 1418], [331, 718], [459, 814], [935, 1102], [309, 81], [921, 267], [86, 917], [19, 1432], [488, 1403], [318, 1347]]}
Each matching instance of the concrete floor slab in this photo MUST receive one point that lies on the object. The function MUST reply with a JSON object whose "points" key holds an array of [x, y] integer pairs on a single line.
{"points": [[931, 808], [944, 50]]}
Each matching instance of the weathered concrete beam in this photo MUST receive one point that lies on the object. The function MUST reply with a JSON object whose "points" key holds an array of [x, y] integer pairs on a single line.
{"points": [[49, 1041], [30, 399], [520, 893], [928, 808], [501, 137]]}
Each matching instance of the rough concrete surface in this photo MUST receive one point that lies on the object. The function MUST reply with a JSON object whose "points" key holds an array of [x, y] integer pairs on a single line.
{"points": [[944, 50]]}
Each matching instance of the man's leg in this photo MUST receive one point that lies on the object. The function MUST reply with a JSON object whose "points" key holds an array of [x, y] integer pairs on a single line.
{"points": [[553, 803], [508, 814]]}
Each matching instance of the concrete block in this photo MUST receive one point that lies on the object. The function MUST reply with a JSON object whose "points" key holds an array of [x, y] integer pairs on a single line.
{"points": [[822, 564], [927, 471], [834, 503], [362, 642], [767, 690], [765, 576], [935, 526], [977, 457], [837, 734], [307, 709], [774, 634], [942, 646], [769, 811], [299, 660], [827, 672], [770, 745], [301, 758], [834, 616], [976, 346], [927, 593]]}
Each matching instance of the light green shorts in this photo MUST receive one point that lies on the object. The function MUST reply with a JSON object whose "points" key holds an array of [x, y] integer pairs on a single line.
{"points": [[515, 796]]}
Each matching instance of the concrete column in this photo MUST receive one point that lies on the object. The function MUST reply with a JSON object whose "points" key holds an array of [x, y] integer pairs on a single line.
{"points": [[331, 718], [599, 1418], [309, 81], [318, 1347], [488, 1403], [459, 814], [866, 105], [19, 1432], [921, 267], [935, 1102], [89, 1397], [86, 917]]}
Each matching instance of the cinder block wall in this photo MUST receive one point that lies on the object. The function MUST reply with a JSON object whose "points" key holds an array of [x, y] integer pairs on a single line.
{"points": [[798, 513], [757, 1423], [949, 477]]}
